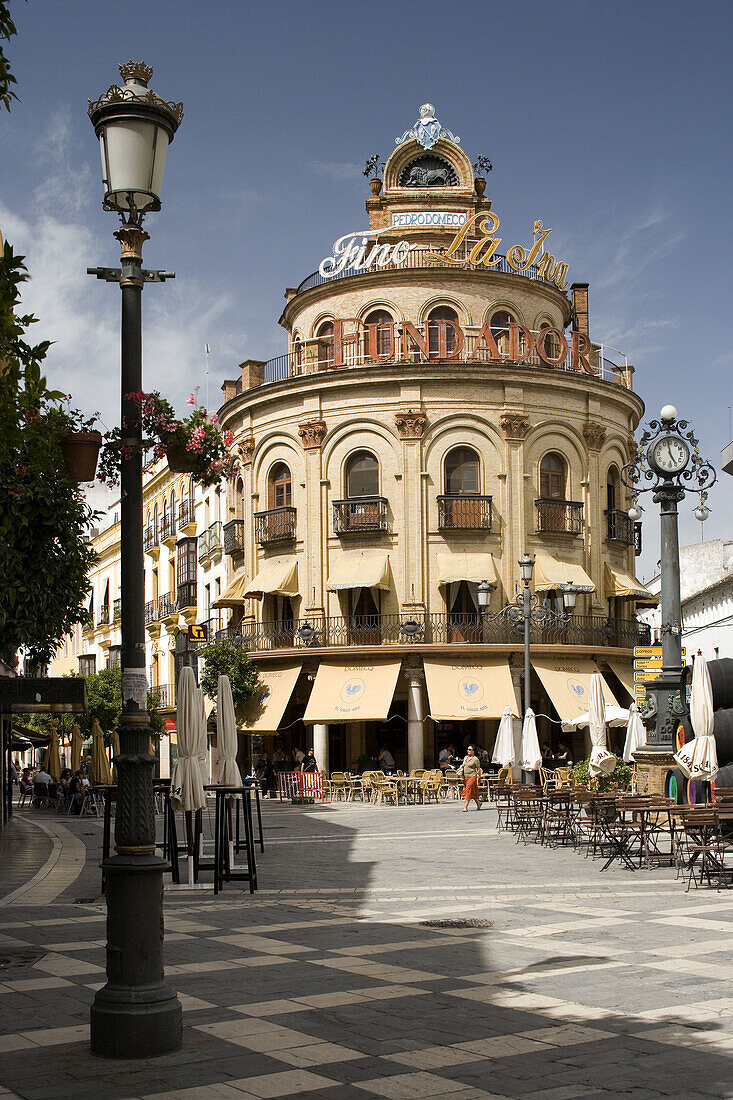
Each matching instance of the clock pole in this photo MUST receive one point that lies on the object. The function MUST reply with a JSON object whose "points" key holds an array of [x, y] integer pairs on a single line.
{"points": [[669, 480]]}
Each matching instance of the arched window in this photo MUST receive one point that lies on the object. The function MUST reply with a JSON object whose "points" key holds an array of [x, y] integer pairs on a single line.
{"points": [[325, 345], [612, 489], [173, 507], [155, 520], [442, 313], [553, 477], [461, 471], [500, 322], [552, 342], [281, 486], [385, 332], [362, 475], [239, 499], [297, 355]]}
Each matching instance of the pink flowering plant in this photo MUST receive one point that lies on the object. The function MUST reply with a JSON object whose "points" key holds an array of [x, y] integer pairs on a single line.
{"points": [[206, 447]]}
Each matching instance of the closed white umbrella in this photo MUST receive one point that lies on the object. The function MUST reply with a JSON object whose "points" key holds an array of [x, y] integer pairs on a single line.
{"points": [[187, 790], [704, 756], [635, 734], [226, 735], [202, 744], [504, 746], [530, 757], [602, 762]]}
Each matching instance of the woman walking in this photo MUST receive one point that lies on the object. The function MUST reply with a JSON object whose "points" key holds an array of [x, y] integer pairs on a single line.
{"points": [[470, 769]]}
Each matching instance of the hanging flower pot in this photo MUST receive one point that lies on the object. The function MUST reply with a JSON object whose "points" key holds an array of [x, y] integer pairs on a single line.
{"points": [[81, 452], [180, 461]]}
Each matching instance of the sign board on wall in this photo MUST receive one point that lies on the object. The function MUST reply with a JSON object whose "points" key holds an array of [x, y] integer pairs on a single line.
{"points": [[427, 218]]}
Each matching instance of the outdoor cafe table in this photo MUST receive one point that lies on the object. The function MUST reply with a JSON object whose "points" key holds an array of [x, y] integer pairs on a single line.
{"points": [[223, 869], [409, 786]]}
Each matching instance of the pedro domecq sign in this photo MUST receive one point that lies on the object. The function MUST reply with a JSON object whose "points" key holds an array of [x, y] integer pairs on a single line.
{"points": [[353, 253]]}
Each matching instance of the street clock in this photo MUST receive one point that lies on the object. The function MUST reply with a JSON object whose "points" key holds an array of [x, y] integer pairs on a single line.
{"points": [[668, 455]]}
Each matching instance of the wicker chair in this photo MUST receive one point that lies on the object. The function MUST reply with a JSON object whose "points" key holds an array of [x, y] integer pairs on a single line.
{"points": [[338, 787], [385, 789]]}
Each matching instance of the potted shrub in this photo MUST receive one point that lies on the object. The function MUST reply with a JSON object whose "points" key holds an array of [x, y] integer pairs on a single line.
{"points": [[194, 444], [481, 165], [79, 441], [372, 168], [619, 779]]}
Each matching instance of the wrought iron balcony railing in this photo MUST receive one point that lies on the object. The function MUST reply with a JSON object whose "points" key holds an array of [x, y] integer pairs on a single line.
{"points": [[559, 516], [117, 610], [186, 512], [166, 693], [464, 513], [360, 515], [151, 612], [167, 605], [186, 595], [276, 525], [151, 538], [210, 541], [234, 536], [434, 629], [103, 615], [619, 527], [168, 527]]}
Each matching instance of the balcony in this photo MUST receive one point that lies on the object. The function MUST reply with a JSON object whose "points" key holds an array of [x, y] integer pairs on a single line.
{"points": [[186, 516], [151, 539], [464, 513], [167, 695], [103, 615], [277, 525], [151, 612], [560, 517], [433, 629], [234, 537], [619, 527], [210, 542], [117, 610], [360, 516], [186, 595], [168, 529], [167, 607]]}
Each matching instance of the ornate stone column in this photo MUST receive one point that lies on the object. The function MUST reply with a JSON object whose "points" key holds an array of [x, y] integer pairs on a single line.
{"points": [[312, 433], [415, 719], [320, 746], [595, 520], [410, 426]]}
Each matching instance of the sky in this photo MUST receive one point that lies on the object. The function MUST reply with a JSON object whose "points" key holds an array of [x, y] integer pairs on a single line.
{"points": [[608, 121]]}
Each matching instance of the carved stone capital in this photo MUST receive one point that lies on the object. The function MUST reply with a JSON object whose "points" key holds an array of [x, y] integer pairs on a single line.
{"points": [[514, 425], [594, 434], [312, 433], [410, 424], [131, 239], [246, 450]]}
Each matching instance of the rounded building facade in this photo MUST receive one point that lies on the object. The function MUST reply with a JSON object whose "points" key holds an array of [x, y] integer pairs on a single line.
{"points": [[441, 411]]}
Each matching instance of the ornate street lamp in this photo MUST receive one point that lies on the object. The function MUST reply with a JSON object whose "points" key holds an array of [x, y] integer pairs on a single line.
{"points": [[526, 610], [136, 1014], [668, 458]]}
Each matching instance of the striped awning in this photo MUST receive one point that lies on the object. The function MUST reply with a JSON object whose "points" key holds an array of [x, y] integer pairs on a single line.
{"points": [[551, 574], [622, 585], [275, 578]]}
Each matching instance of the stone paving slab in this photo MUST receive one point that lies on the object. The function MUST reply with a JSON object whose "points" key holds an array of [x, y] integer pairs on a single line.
{"points": [[335, 980]]}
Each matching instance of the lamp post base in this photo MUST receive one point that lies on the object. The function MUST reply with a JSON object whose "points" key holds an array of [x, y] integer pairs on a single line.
{"points": [[136, 1014], [652, 767]]}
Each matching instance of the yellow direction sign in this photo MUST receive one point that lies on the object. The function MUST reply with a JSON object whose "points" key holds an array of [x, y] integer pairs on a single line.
{"points": [[651, 651], [645, 677], [649, 662]]}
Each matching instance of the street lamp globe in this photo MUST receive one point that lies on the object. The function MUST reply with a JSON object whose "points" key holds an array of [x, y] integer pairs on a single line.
{"points": [[569, 596], [526, 566], [484, 594], [635, 512], [702, 513], [668, 414], [135, 127]]}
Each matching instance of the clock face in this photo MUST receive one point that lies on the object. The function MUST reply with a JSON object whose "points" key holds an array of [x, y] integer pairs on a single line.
{"points": [[669, 454]]}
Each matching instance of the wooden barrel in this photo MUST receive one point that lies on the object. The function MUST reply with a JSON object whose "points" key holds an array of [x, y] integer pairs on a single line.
{"points": [[723, 730], [721, 679]]}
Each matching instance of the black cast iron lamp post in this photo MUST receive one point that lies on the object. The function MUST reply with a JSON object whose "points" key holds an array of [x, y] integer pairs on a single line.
{"points": [[668, 458], [527, 610], [136, 1014]]}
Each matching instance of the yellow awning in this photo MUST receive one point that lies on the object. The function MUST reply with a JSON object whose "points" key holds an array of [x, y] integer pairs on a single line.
{"points": [[466, 567], [263, 714], [469, 689], [625, 673], [276, 578], [363, 569], [549, 574], [567, 682], [623, 586], [357, 691], [233, 594]]}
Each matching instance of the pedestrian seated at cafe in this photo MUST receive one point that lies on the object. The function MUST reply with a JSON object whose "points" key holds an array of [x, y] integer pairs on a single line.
{"points": [[446, 757], [62, 791], [387, 761], [26, 781], [75, 793], [41, 786], [265, 773]]}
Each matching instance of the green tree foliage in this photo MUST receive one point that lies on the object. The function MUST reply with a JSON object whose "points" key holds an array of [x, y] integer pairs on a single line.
{"points": [[44, 558], [7, 30], [104, 702], [225, 659]]}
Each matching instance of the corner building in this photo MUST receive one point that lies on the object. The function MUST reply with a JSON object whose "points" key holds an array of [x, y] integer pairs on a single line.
{"points": [[441, 410]]}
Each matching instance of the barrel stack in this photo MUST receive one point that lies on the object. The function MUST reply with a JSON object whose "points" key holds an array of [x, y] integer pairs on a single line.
{"points": [[690, 791]]}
